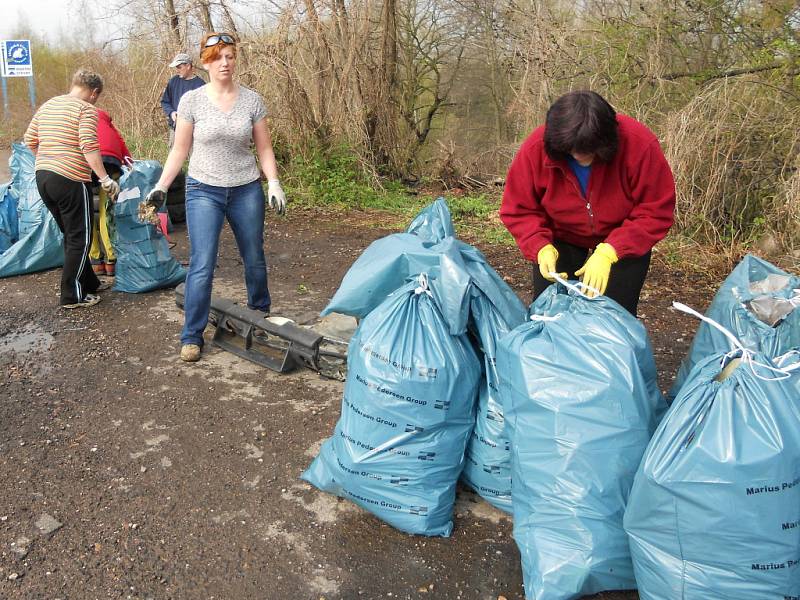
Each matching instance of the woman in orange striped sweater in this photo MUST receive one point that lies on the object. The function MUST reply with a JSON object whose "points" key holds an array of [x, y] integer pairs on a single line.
{"points": [[63, 135]]}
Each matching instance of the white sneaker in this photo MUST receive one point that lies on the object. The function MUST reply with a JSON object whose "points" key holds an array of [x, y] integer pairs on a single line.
{"points": [[88, 300]]}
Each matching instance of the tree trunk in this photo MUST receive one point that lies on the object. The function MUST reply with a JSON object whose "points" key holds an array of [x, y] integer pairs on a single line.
{"points": [[174, 24], [388, 68], [205, 15], [323, 62], [227, 19]]}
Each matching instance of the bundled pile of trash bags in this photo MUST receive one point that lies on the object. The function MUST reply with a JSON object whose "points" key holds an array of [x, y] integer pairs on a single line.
{"points": [[31, 241], [554, 414], [419, 367]]}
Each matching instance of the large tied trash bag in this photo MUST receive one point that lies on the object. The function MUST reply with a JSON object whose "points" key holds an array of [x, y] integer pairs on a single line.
{"points": [[713, 514], [579, 413], [756, 303], [144, 262], [38, 243], [487, 468], [407, 411]]}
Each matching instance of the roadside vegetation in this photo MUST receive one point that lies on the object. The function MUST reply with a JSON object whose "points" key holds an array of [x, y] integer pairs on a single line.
{"points": [[379, 105]]}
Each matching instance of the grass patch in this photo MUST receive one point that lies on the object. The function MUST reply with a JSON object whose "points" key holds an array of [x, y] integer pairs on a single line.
{"points": [[337, 183], [148, 148]]}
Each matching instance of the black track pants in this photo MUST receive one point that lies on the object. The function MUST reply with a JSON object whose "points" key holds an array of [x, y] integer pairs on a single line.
{"points": [[70, 203], [624, 283]]}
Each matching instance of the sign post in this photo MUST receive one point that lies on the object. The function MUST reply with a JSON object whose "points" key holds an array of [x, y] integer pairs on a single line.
{"points": [[5, 97], [16, 61]]}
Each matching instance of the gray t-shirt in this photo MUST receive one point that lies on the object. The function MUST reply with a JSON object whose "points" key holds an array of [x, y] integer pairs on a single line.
{"points": [[221, 147]]}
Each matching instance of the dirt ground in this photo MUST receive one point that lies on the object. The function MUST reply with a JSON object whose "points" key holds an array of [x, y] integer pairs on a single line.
{"points": [[129, 474]]}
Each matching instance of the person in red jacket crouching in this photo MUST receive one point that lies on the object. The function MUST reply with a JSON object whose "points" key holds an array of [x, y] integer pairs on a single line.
{"points": [[587, 196], [114, 153]]}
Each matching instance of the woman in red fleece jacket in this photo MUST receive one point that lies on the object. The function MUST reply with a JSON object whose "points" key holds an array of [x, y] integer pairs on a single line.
{"points": [[114, 153], [587, 196]]}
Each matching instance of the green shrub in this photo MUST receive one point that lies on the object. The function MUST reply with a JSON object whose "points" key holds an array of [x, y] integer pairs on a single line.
{"points": [[333, 179]]}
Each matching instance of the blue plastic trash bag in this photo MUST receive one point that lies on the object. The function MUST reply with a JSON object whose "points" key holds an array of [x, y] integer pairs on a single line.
{"points": [[9, 226], [487, 468], [39, 243], [144, 262], [714, 513], [388, 262], [407, 411], [433, 223], [579, 413], [560, 297], [429, 246], [756, 304]]}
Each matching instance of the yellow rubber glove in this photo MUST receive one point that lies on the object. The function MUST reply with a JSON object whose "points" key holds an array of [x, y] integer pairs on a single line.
{"points": [[596, 269], [546, 259]]}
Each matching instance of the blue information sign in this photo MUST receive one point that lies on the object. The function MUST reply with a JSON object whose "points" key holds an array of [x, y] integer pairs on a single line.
{"points": [[16, 58]]}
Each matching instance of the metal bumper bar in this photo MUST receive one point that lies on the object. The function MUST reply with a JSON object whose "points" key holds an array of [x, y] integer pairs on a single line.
{"points": [[281, 347]]}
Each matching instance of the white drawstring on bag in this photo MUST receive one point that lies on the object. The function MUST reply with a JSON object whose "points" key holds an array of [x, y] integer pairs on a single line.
{"points": [[422, 288], [581, 288], [747, 356]]}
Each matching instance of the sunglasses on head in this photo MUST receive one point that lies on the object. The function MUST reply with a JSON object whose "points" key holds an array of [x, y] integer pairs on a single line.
{"points": [[219, 38]]}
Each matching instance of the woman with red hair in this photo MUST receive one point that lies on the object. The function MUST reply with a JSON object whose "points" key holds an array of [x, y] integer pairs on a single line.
{"points": [[220, 122]]}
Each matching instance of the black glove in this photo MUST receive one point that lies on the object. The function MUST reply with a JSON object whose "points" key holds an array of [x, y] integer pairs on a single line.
{"points": [[152, 203], [156, 197]]}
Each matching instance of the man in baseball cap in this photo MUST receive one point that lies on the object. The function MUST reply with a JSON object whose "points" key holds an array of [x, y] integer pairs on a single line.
{"points": [[178, 85], [181, 58]]}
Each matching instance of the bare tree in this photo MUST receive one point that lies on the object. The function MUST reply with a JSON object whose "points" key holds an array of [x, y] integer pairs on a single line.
{"points": [[204, 11], [174, 22]]}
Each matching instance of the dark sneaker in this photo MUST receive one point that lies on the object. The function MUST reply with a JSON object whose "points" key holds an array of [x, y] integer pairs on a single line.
{"points": [[89, 300], [104, 285]]}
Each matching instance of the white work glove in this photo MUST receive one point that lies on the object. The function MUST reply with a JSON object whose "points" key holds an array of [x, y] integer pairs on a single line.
{"points": [[110, 186], [276, 197]]}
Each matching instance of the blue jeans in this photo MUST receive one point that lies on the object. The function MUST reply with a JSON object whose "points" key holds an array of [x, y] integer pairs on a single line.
{"points": [[206, 208]]}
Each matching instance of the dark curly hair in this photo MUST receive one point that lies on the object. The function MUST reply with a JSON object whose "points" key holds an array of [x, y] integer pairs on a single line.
{"points": [[582, 122]]}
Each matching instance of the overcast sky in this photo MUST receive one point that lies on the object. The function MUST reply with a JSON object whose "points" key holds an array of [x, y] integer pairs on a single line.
{"points": [[47, 18], [55, 19]]}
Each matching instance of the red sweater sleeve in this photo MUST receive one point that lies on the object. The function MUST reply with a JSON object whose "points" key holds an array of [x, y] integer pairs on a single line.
{"points": [[653, 190], [520, 210], [125, 152]]}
